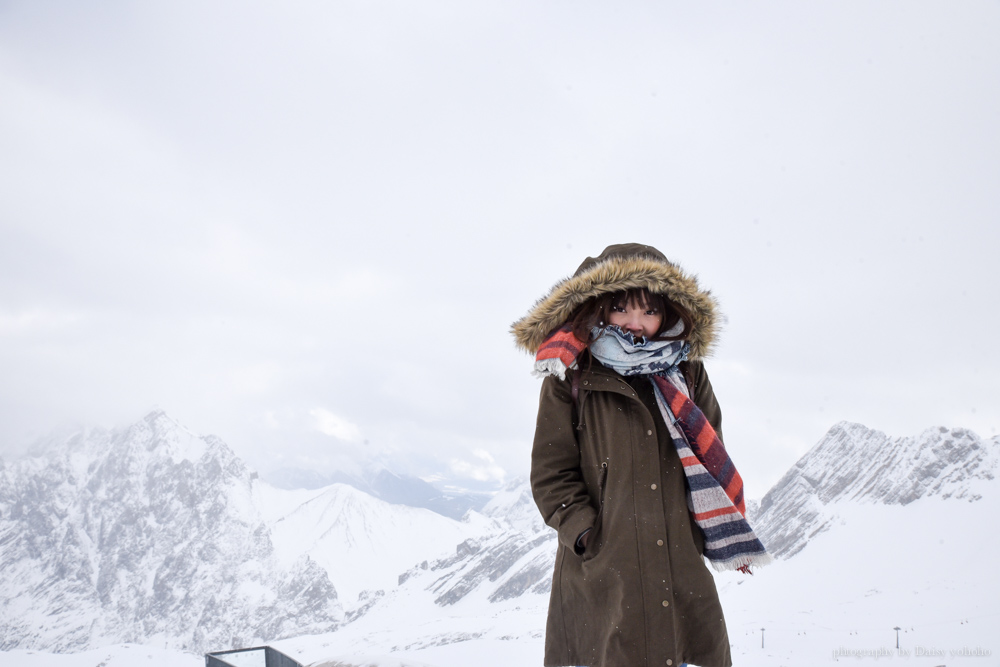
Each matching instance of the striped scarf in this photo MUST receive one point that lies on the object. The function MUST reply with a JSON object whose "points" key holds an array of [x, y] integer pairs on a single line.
{"points": [[715, 488]]}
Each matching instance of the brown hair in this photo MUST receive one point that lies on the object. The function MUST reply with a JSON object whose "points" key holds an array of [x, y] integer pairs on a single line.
{"points": [[596, 312]]}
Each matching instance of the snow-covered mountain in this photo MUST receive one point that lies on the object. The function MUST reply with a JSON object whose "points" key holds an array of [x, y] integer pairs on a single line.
{"points": [[150, 533], [363, 543], [482, 602], [386, 485], [99, 536], [875, 533], [512, 557], [861, 465], [154, 534]]}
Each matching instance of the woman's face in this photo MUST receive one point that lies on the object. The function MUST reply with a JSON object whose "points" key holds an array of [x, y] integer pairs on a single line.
{"points": [[636, 319]]}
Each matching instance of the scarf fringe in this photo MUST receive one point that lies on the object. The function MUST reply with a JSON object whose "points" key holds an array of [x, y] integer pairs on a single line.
{"points": [[553, 366], [742, 564]]}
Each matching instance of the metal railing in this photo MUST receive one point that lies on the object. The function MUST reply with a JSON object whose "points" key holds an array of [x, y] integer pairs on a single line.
{"points": [[258, 656]]}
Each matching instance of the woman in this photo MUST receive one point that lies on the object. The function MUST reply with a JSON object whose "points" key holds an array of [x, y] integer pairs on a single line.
{"points": [[618, 448]]}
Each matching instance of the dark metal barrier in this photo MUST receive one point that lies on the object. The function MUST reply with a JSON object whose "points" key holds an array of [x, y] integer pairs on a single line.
{"points": [[271, 658]]}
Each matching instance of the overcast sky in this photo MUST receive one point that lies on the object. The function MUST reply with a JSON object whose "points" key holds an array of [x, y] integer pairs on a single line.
{"points": [[307, 226]]}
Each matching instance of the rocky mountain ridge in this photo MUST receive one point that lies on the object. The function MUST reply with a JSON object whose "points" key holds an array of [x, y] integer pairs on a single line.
{"points": [[853, 463], [148, 532], [513, 557]]}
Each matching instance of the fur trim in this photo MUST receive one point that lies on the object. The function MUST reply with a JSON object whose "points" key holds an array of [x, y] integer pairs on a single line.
{"points": [[615, 274]]}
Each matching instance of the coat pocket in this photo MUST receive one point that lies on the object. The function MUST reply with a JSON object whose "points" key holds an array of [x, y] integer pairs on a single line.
{"points": [[596, 539]]}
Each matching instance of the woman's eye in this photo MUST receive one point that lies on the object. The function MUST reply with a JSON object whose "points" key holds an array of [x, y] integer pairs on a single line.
{"points": [[652, 311]]}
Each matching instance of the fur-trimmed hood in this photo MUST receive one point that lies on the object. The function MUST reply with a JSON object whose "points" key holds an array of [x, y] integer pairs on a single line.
{"points": [[621, 267]]}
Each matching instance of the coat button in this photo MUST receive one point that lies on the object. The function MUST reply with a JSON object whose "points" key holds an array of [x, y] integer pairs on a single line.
{"points": [[653, 487], [649, 433], [659, 543], [669, 661], [666, 604]]}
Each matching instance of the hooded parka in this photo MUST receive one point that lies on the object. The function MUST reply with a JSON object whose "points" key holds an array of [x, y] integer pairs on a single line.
{"points": [[640, 594]]}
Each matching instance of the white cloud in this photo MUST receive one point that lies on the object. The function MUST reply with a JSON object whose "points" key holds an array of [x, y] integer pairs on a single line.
{"points": [[486, 471], [332, 425]]}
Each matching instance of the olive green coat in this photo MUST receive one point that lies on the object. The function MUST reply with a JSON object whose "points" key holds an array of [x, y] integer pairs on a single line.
{"points": [[640, 594]]}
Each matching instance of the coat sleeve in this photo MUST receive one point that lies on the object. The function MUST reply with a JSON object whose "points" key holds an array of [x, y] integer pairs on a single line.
{"points": [[557, 482], [704, 397]]}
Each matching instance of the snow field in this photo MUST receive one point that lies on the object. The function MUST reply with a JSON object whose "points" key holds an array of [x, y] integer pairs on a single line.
{"points": [[929, 578], [122, 655]]}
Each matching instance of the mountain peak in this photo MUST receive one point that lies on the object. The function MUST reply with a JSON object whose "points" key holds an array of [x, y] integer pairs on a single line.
{"points": [[158, 417], [159, 433], [148, 530], [853, 463]]}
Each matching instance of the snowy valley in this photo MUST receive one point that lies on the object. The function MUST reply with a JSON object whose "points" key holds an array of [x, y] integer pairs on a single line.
{"points": [[152, 541]]}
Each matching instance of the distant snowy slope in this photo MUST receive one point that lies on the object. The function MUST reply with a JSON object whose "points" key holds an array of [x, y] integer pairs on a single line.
{"points": [[514, 506], [415, 492], [513, 558], [481, 603], [362, 542], [855, 463], [385, 485]]}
